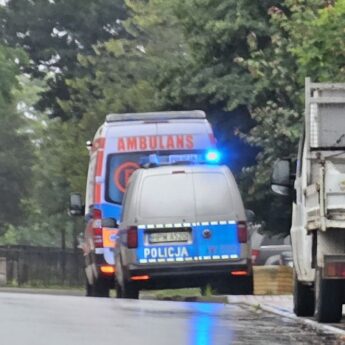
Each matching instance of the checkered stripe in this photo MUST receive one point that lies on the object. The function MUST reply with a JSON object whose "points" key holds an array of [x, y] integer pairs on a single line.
{"points": [[190, 259]]}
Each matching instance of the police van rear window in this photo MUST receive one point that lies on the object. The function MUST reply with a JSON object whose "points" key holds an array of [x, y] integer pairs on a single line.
{"points": [[185, 196]]}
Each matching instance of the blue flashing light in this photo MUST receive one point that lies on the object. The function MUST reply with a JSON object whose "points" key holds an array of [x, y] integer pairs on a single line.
{"points": [[213, 156]]}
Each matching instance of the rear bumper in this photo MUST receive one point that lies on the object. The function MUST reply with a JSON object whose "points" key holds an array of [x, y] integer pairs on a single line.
{"points": [[186, 275]]}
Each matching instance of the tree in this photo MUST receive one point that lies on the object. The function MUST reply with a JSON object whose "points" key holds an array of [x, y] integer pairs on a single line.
{"points": [[53, 33], [16, 149]]}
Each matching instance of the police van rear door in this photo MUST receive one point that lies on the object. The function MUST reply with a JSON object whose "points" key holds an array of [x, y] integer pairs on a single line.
{"points": [[188, 218]]}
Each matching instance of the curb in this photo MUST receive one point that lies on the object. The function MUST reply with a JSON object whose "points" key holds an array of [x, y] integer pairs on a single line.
{"points": [[281, 312]]}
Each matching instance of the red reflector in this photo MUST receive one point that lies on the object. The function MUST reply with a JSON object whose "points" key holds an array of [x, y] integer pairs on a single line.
{"points": [[132, 237], [255, 254], [97, 231], [335, 269], [239, 273], [98, 237], [107, 269], [96, 213], [178, 172], [140, 278], [242, 232]]}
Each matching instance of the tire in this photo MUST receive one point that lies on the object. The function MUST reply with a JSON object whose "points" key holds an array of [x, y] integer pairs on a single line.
{"points": [[235, 286], [245, 285], [100, 288], [303, 298], [88, 290], [129, 290], [328, 299]]}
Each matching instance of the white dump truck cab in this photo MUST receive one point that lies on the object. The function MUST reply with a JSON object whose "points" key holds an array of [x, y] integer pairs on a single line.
{"points": [[317, 189]]}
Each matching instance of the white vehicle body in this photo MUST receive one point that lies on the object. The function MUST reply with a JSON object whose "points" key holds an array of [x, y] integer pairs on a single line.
{"points": [[115, 153], [183, 226], [318, 215]]}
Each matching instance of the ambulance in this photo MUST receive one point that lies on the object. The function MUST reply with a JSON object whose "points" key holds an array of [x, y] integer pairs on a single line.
{"points": [[115, 153]]}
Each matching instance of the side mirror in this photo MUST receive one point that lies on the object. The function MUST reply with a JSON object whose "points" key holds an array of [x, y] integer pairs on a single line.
{"points": [[250, 215], [76, 207], [281, 177], [109, 223]]}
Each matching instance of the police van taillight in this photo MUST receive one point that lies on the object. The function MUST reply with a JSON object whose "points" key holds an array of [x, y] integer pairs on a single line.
{"points": [[242, 233], [97, 231], [132, 237]]}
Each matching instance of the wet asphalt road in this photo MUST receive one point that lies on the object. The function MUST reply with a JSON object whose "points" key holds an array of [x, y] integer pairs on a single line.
{"points": [[65, 320]]}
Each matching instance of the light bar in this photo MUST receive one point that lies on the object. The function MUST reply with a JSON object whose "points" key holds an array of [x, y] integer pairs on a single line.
{"points": [[212, 156], [156, 116]]}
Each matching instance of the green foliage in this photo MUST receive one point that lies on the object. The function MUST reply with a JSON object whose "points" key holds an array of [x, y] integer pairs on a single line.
{"points": [[320, 49], [53, 33], [16, 150]]}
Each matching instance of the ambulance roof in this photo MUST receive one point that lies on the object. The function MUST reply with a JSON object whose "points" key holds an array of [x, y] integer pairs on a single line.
{"points": [[156, 116]]}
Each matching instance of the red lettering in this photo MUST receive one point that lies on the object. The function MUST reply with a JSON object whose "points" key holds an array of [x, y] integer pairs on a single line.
{"points": [[161, 143], [153, 143], [121, 145], [179, 142], [143, 145], [170, 142], [190, 143], [131, 143]]}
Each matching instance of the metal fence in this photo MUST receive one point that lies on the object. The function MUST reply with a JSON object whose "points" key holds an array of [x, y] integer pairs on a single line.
{"points": [[42, 266]]}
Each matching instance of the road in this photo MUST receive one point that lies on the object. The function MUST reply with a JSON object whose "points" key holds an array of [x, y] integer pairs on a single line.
{"points": [[68, 320]]}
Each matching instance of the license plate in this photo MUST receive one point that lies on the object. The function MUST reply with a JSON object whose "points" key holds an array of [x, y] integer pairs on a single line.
{"points": [[160, 237]]}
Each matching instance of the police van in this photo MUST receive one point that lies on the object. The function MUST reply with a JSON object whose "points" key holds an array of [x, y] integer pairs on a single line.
{"points": [[183, 226], [115, 153]]}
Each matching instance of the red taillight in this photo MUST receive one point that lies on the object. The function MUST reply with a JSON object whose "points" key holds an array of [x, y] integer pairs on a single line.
{"points": [[239, 273], [145, 277], [335, 269], [242, 233], [97, 231], [255, 254], [132, 237]]}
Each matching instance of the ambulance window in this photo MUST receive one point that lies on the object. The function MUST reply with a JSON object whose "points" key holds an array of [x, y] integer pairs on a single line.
{"points": [[212, 194], [165, 196], [119, 169]]}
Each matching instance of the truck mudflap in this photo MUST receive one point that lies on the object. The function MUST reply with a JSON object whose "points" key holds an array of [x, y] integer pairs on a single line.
{"points": [[334, 267]]}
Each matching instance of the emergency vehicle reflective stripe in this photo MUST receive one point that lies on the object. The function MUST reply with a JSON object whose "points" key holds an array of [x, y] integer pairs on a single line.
{"points": [[190, 259], [184, 225]]}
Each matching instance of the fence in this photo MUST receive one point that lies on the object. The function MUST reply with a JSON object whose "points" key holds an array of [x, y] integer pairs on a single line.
{"points": [[41, 266]]}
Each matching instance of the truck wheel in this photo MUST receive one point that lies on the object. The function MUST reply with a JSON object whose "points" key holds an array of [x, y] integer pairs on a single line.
{"points": [[328, 299], [303, 298], [129, 290]]}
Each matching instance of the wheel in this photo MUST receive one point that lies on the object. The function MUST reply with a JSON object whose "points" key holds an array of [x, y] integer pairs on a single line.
{"points": [[243, 285], [88, 289], [235, 286], [99, 288], [303, 298], [129, 290], [328, 299]]}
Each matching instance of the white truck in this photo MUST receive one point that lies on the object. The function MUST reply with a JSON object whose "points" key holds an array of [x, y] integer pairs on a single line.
{"points": [[317, 190]]}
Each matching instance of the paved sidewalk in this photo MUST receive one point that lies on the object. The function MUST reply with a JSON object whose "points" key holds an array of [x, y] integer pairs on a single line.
{"points": [[283, 305], [281, 302]]}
